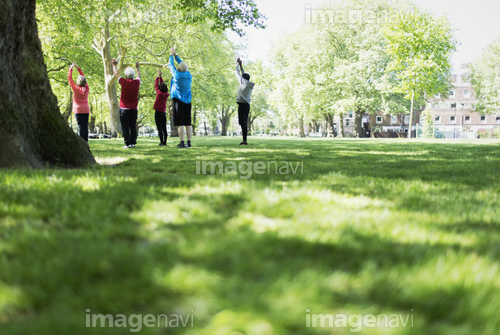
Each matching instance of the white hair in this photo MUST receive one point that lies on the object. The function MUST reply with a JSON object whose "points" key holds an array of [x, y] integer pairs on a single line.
{"points": [[129, 73], [81, 81], [182, 67]]}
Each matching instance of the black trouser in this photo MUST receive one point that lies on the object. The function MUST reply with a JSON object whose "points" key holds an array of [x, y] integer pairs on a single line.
{"points": [[161, 124], [83, 125], [243, 112], [128, 119]]}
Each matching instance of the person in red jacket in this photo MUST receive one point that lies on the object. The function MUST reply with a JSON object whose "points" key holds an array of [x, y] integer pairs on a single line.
{"points": [[129, 99], [160, 107], [80, 101]]}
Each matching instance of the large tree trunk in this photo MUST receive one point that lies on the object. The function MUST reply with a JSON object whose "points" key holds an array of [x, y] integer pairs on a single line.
{"points": [[32, 131]]}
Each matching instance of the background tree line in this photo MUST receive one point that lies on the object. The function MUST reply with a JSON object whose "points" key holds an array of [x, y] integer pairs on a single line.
{"points": [[360, 57]]}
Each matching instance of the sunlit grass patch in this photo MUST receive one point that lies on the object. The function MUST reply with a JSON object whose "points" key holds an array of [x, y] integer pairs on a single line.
{"points": [[11, 300], [370, 226]]}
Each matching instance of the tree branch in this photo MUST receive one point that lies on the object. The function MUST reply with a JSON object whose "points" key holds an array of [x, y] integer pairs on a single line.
{"points": [[57, 70]]}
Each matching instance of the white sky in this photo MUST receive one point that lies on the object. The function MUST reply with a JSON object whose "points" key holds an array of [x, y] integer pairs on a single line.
{"points": [[476, 23]]}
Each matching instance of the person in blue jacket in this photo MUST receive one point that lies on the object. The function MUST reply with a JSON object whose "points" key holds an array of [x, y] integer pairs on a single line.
{"points": [[180, 93]]}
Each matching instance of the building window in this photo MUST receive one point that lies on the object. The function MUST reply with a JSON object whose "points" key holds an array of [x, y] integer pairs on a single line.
{"points": [[497, 119], [437, 119], [347, 122], [451, 94], [394, 119], [452, 119], [467, 118], [483, 118], [466, 94], [350, 114], [378, 119], [437, 96], [407, 119]]}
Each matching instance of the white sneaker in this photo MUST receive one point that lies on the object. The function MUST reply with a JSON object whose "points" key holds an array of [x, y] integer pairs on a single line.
{"points": [[132, 145], [126, 147]]}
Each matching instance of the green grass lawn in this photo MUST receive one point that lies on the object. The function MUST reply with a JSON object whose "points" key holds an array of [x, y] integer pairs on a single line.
{"points": [[362, 227]]}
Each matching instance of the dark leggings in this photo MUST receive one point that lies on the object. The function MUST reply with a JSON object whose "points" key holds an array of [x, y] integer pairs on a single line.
{"points": [[83, 125], [244, 131], [243, 111], [161, 124]]}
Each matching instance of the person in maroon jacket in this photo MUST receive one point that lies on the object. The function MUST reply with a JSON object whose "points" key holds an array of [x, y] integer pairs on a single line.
{"points": [[128, 103], [80, 101], [160, 107]]}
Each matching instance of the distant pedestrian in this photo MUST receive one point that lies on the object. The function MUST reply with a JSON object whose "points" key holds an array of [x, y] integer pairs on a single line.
{"points": [[80, 101], [128, 103], [160, 108], [243, 98], [181, 97]]}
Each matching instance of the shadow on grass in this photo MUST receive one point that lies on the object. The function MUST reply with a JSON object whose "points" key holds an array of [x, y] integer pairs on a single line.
{"points": [[277, 279], [119, 239]]}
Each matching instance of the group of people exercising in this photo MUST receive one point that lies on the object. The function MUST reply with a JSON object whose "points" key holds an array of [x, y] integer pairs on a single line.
{"points": [[180, 94]]}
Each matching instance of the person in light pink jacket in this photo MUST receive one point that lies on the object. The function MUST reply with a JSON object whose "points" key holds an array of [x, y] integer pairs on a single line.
{"points": [[80, 101]]}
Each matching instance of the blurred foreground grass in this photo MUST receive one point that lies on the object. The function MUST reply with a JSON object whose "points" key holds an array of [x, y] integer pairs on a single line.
{"points": [[364, 227]]}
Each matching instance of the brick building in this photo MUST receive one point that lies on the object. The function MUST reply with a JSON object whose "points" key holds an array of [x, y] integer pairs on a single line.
{"points": [[454, 116]]}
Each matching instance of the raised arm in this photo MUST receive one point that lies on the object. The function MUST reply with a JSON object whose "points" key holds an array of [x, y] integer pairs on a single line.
{"points": [[79, 70], [70, 77], [239, 71], [171, 66], [138, 72], [157, 83]]}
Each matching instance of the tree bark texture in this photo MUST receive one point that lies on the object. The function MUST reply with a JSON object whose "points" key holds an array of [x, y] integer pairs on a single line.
{"points": [[32, 131], [329, 121], [341, 132], [174, 131], [225, 118], [302, 132], [69, 107], [111, 94], [193, 124]]}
